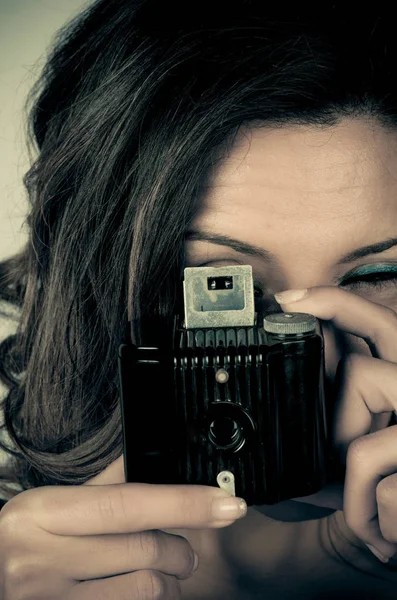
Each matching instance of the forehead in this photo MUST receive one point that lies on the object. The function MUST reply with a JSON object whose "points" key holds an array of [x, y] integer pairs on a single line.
{"points": [[307, 172]]}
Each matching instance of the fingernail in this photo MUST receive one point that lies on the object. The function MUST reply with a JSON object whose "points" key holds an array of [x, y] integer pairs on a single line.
{"points": [[376, 553], [196, 563], [290, 296], [195, 566], [228, 509]]}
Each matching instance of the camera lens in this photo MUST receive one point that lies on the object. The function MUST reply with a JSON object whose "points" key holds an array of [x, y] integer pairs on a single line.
{"points": [[229, 426], [225, 433]]}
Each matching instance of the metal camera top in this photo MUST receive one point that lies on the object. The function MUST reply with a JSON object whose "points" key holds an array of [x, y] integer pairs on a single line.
{"points": [[218, 297]]}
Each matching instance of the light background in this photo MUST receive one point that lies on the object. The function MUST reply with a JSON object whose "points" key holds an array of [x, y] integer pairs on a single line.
{"points": [[27, 28]]}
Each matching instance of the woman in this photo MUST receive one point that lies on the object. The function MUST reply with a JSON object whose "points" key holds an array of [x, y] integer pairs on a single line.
{"points": [[169, 137]]}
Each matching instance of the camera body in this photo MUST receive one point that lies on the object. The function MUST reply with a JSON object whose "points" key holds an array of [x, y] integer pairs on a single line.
{"points": [[236, 400]]}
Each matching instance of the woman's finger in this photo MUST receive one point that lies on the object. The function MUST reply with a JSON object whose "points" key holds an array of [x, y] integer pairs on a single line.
{"points": [[367, 388], [141, 584], [95, 557], [386, 494], [375, 323], [371, 459], [360, 399], [129, 507]]}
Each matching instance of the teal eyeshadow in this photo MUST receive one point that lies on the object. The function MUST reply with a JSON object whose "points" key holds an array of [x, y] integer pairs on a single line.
{"points": [[369, 269]]}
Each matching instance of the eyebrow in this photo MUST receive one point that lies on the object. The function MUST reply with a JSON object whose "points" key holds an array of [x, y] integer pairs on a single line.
{"points": [[244, 248]]}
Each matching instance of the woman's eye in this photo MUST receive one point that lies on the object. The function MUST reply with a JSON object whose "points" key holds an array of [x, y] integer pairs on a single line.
{"points": [[378, 280]]}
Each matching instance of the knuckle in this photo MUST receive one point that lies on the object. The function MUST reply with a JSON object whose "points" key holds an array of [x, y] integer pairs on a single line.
{"points": [[149, 546], [151, 585], [16, 569], [357, 452], [390, 316], [387, 319], [106, 507], [112, 506], [13, 520], [18, 576], [12, 571], [25, 508], [9, 524], [159, 549], [386, 493]]}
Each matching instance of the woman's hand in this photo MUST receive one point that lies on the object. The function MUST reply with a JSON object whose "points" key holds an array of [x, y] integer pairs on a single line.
{"points": [[368, 388], [102, 540]]}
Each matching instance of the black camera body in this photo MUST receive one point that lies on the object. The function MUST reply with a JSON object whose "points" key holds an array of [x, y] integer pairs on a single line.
{"points": [[237, 400]]}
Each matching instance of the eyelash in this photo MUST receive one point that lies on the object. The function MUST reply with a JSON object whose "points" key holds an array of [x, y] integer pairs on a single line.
{"points": [[377, 280]]}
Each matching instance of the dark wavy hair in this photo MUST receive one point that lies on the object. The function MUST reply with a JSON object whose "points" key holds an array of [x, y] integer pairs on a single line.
{"points": [[135, 107]]}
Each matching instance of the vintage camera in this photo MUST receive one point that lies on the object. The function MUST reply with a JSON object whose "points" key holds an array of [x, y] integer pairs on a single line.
{"points": [[235, 400]]}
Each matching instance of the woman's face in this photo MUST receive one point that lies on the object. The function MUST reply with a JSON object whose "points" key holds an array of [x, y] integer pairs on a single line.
{"points": [[318, 205]]}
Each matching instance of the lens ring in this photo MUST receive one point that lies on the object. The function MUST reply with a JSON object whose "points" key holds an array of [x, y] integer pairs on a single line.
{"points": [[225, 432], [245, 425]]}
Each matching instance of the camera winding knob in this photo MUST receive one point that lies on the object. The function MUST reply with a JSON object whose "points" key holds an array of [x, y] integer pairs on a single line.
{"points": [[289, 323]]}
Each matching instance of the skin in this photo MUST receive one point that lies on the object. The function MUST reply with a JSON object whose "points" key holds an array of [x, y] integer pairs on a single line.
{"points": [[310, 196]]}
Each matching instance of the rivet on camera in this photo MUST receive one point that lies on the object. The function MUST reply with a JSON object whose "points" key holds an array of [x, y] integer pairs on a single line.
{"points": [[221, 376]]}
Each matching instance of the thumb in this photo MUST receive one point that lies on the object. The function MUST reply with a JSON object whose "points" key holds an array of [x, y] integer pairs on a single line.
{"points": [[114, 473]]}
